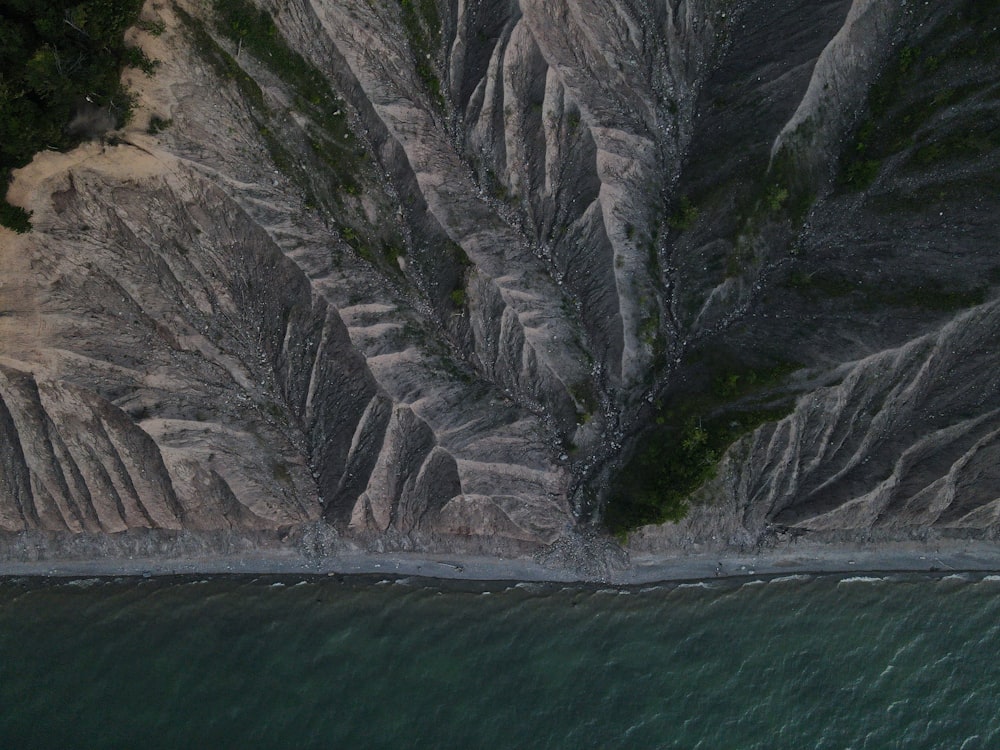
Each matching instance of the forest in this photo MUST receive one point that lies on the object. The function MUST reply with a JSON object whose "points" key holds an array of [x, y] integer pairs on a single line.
{"points": [[60, 78]]}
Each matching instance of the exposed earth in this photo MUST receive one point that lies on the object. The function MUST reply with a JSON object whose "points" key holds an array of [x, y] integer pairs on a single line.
{"points": [[545, 278]]}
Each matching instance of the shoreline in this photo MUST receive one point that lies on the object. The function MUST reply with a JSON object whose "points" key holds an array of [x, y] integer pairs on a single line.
{"points": [[645, 569]]}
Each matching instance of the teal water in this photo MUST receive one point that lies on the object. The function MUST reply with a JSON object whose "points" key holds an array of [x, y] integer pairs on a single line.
{"points": [[823, 662]]}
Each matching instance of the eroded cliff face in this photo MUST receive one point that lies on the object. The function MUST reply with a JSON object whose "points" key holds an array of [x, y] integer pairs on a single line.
{"points": [[427, 272]]}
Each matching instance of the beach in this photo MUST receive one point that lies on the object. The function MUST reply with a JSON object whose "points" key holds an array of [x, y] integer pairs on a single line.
{"points": [[878, 648], [792, 559]]}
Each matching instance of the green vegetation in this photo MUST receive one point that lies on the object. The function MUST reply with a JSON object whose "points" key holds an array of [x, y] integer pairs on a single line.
{"points": [[323, 158], [681, 452], [423, 32], [650, 334], [222, 62], [883, 133], [253, 30], [896, 122], [932, 296], [15, 217], [655, 484], [964, 188], [497, 189], [734, 383], [649, 329], [776, 197], [280, 473], [772, 201], [458, 254], [583, 394], [55, 56], [787, 193], [359, 246], [684, 216], [157, 124], [820, 284], [974, 138], [462, 263], [136, 58], [227, 68], [155, 28], [393, 251]]}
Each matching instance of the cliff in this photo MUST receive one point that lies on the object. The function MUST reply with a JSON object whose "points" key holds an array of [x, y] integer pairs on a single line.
{"points": [[486, 274]]}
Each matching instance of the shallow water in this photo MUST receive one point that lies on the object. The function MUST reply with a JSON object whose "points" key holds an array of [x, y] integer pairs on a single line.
{"points": [[796, 662]]}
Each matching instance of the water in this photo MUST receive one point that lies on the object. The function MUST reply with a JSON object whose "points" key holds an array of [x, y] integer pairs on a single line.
{"points": [[800, 662]]}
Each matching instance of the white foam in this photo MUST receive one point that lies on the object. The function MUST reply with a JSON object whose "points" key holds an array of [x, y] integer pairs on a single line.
{"points": [[278, 585], [84, 583], [861, 579], [955, 577], [798, 577], [530, 587]]}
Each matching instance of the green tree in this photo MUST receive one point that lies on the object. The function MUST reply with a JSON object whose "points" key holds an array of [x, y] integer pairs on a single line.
{"points": [[54, 55]]}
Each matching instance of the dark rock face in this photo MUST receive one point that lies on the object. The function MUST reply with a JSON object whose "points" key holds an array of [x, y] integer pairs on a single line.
{"points": [[566, 221]]}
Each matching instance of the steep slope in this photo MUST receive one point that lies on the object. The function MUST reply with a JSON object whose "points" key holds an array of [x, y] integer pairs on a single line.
{"points": [[482, 273], [865, 261], [272, 375]]}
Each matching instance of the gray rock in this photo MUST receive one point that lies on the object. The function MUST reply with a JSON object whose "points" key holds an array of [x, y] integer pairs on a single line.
{"points": [[205, 337]]}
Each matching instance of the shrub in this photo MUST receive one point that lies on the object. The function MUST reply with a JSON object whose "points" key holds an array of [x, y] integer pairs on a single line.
{"points": [[255, 32], [685, 215], [422, 24], [157, 124], [680, 452], [53, 58], [15, 217]]}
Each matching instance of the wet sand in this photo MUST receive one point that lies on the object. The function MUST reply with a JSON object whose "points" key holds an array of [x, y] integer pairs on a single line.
{"points": [[644, 569]]}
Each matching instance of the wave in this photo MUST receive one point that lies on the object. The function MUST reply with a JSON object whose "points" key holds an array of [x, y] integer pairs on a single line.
{"points": [[530, 586], [83, 583], [696, 585], [955, 578], [797, 578], [862, 579]]}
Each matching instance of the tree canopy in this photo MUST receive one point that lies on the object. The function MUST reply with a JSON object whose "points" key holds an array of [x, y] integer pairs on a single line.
{"points": [[56, 57]]}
